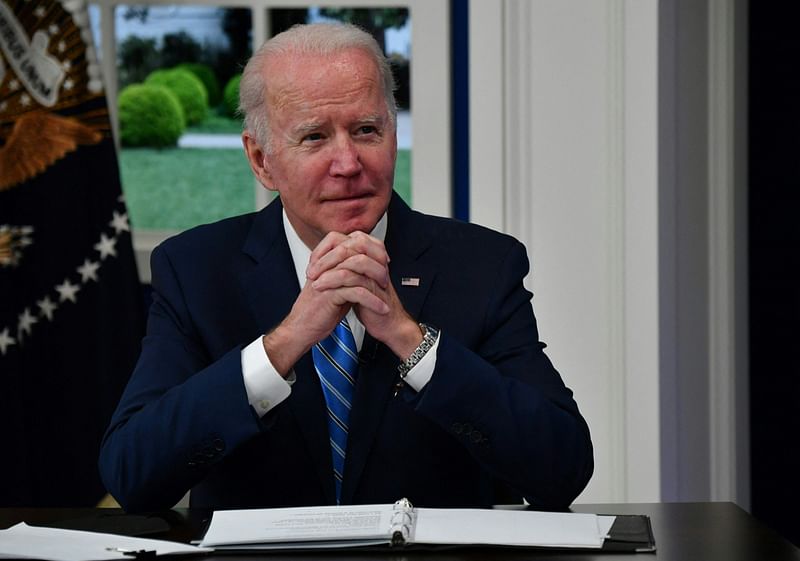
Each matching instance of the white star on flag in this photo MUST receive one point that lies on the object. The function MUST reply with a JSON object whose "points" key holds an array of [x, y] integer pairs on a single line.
{"points": [[5, 341], [106, 246], [47, 307], [67, 291], [68, 84], [89, 270], [26, 321], [25, 100], [120, 222], [39, 12]]}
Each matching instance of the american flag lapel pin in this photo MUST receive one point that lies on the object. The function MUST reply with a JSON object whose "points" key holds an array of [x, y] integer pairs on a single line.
{"points": [[409, 281]]}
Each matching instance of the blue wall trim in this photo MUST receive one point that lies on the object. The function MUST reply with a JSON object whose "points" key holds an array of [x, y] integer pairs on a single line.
{"points": [[459, 41]]}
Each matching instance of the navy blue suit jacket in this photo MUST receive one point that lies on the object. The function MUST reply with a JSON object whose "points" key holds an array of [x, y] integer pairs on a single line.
{"points": [[494, 423]]}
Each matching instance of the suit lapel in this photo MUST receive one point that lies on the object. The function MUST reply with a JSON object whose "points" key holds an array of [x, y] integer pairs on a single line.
{"points": [[271, 283], [378, 376], [271, 288]]}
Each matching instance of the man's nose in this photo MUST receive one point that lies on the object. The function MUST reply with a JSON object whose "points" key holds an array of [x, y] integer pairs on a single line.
{"points": [[345, 161]]}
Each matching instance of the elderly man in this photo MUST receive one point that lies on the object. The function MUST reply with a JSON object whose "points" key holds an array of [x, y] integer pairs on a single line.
{"points": [[337, 347]]}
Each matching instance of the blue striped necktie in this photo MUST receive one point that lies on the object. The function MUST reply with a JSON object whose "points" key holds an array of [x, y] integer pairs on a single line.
{"points": [[336, 362]]}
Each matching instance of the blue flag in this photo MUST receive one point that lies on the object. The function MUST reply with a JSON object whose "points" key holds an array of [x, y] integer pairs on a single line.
{"points": [[71, 315]]}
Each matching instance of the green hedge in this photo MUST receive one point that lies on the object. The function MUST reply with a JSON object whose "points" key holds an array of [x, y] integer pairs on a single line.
{"points": [[150, 115], [206, 75], [231, 96], [187, 88]]}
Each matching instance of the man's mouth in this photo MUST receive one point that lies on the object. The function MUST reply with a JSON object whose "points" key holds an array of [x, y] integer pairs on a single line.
{"points": [[349, 197]]}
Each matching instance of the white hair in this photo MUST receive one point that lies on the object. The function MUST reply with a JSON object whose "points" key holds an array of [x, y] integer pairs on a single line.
{"points": [[318, 39]]}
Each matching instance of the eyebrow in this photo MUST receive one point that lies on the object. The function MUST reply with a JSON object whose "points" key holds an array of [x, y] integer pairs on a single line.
{"points": [[305, 128], [374, 118]]}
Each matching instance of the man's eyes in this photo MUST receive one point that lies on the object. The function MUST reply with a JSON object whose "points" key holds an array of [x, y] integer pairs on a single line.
{"points": [[362, 130]]}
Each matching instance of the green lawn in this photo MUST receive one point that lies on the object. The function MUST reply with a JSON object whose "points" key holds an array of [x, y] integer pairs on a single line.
{"points": [[402, 175], [177, 188], [216, 123]]}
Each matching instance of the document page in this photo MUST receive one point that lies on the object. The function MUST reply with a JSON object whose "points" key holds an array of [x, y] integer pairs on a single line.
{"points": [[509, 527], [53, 544], [312, 524]]}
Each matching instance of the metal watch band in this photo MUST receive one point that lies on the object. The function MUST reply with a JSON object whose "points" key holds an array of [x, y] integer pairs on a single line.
{"points": [[429, 335]]}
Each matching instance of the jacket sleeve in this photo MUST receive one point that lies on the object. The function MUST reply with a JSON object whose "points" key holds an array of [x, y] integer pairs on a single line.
{"points": [[503, 399], [181, 412]]}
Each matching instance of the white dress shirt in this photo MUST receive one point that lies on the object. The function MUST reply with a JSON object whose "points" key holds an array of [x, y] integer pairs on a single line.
{"points": [[265, 387]]}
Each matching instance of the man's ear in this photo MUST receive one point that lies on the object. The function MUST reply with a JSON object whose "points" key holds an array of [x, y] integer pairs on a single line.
{"points": [[259, 162]]}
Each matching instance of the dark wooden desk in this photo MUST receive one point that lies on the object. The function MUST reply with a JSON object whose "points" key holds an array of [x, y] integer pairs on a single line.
{"points": [[683, 532]]}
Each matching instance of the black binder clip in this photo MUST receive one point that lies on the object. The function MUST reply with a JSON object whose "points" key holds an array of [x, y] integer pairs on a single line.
{"points": [[138, 554], [398, 539]]}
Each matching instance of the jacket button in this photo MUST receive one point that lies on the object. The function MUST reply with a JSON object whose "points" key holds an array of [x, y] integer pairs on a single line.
{"points": [[458, 428], [476, 437], [219, 444]]}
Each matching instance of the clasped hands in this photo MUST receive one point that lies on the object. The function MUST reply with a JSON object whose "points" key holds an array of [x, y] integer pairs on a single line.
{"points": [[344, 272]]}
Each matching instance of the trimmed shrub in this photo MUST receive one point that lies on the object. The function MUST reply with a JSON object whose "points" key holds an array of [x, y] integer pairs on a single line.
{"points": [[231, 96], [187, 88], [150, 115], [206, 75]]}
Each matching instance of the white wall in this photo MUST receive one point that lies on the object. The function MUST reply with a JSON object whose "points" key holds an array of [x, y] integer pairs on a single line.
{"points": [[579, 168], [608, 152]]}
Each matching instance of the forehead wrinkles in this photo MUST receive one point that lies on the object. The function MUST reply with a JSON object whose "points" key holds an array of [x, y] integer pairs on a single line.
{"points": [[306, 81]]}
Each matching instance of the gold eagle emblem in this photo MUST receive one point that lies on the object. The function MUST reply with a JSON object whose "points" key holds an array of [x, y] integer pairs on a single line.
{"points": [[37, 141]]}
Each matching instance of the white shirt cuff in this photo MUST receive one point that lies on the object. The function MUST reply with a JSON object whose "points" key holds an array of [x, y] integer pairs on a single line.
{"points": [[265, 387], [422, 372]]}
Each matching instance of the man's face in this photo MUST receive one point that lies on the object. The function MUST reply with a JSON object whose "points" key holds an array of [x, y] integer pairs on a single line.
{"points": [[333, 145]]}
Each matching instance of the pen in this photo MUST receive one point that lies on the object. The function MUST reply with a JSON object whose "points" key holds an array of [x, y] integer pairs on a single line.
{"points": [[138, 554]]}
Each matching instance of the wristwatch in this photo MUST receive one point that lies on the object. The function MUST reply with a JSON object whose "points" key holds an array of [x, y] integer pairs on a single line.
{"points": [[429, 336]]}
